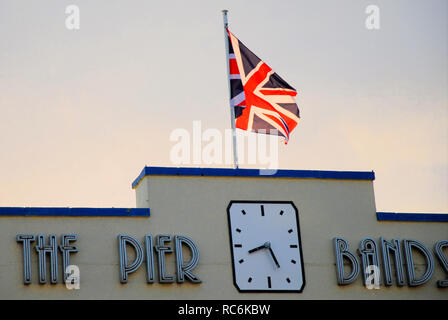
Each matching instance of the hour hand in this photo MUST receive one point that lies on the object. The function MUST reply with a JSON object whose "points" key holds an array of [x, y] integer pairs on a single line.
{"points": [[263, 246]]}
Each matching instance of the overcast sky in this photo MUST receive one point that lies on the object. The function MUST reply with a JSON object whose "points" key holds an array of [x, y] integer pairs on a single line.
{"points": [[83, 111]]}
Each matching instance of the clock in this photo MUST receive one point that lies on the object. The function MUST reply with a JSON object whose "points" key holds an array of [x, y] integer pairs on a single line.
{"points": [[265, 246]]}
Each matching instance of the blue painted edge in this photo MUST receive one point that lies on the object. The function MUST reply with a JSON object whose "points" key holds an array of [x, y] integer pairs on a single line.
{"points": [[76, 212], [418, 217], [220, 172]]}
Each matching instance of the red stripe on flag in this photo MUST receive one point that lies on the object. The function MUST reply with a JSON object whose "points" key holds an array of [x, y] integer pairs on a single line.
{"points": [[233, 66], [279, 93]]}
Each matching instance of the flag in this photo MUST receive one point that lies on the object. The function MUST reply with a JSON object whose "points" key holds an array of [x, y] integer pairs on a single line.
{"points": [[262, 100]]}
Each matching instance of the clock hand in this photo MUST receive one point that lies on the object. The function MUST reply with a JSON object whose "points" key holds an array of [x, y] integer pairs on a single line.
{"points": [[273, 257], [264, 246]]}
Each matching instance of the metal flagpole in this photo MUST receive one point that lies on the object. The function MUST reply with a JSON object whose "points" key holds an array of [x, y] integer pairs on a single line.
{"points": [[232, 109]]}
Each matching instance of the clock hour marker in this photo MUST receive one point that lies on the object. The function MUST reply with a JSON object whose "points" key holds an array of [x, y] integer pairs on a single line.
{"points": [[238, 245], [238, 230], [291, 246], [269, 282], [262, 210], [293, 261], [290, 230], [288, 280], [281, 212], [243, 212], [249, 280], [241, 261]]}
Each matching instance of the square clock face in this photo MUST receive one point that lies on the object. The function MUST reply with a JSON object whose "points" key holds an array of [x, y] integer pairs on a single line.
{"points": [[265, 246]]}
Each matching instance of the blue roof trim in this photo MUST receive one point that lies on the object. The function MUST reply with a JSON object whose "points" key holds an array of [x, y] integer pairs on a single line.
{"points": [[219, 172], [418, 217], [76, 212]]}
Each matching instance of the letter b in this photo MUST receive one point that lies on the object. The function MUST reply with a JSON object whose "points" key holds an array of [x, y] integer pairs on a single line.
{"points": [[341, 252]]}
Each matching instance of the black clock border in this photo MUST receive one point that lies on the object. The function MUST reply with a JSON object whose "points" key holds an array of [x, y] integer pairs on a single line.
{"points": [[298, 238]]}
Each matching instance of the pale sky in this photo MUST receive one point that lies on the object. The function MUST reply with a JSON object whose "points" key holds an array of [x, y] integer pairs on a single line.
{"points": [[83, 111]]}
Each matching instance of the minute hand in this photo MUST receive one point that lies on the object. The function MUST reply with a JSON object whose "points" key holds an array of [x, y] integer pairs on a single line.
{"points": [[273, 257]]}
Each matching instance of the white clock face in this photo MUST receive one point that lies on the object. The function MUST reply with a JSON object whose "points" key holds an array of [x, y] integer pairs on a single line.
{"points": [[266, 249]]}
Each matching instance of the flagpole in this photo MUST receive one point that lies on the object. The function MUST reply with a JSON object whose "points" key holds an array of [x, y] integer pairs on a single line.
{"points": [[232, 109]]}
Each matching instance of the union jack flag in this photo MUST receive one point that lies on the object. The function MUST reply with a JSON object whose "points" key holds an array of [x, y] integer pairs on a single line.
{"points": [[263, 102]]}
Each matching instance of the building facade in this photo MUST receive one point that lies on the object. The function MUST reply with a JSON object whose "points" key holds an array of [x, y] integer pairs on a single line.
{"points": [[227, 234]]}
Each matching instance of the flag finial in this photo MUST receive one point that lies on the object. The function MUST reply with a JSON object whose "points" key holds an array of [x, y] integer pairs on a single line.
{"points": [[224, 16]]}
